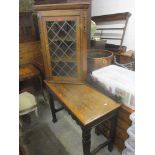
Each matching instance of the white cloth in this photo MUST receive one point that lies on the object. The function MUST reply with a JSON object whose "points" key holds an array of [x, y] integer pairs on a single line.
{"points": [[118, 81]]}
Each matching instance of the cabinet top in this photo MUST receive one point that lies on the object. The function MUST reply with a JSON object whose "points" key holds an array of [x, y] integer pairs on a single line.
{"points": [[62, 6]]}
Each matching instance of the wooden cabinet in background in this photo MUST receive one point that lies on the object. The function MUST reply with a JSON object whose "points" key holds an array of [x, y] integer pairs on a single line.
{"points": [[28, 27], [63, 33], [29, 51]]}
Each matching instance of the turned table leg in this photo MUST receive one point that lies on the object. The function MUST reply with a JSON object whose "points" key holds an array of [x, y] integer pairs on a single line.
{"points": [[86, 141], [52, 107], [112, 133]]}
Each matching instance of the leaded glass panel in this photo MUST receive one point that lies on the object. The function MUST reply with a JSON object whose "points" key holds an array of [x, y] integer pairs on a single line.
{"points": [[62, 47]]}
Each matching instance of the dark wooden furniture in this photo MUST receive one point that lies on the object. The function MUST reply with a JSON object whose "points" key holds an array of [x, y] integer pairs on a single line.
{"points": [[28, 51], [88, 107], [123, 123], [63, 33], [28, 27], [29, 44], [38, 62], [30, 55], [27, 72]]}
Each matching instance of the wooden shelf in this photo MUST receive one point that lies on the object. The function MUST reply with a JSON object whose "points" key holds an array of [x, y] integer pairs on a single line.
{"points": [[112, 17], [113, 38], [112, 28], [100, 20]]}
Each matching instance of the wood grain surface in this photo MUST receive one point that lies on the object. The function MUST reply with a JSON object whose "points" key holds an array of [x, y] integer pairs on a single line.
{"points": [[84, 102], [29, 51], [27, 71]]}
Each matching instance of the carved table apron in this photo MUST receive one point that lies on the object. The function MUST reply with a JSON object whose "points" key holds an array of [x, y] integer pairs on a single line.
{"points": [[87, 107]]}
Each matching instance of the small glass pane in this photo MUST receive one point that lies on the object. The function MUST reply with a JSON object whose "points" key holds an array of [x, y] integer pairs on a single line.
{"points": [[62, 46]]}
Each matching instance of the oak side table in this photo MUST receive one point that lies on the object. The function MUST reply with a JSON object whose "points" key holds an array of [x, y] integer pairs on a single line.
{"points": [[88, 108]]}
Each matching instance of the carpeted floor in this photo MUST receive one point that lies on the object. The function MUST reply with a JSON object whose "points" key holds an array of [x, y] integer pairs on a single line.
{"points": [[42, 141]]}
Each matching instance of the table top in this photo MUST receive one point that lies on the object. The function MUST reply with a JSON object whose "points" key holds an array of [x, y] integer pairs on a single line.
{"points": [[86, 103], [27, 71]]}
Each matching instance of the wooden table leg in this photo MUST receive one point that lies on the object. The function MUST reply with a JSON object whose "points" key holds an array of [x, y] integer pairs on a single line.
{"points": [[41, 87], [112, 133], [52, 106], [86, 141]]}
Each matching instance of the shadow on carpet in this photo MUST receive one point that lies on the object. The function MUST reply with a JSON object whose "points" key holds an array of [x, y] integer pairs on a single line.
{"points": [[42, 141]]}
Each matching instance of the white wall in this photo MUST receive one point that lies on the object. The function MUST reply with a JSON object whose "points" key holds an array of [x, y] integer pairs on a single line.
{"points": [[103, 7]]}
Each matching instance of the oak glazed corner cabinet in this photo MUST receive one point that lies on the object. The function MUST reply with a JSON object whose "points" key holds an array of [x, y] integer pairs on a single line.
{"points": [[63, 33]]}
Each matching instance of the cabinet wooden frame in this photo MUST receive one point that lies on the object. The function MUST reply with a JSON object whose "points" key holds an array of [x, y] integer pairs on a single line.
{"points": [[80, 17]]}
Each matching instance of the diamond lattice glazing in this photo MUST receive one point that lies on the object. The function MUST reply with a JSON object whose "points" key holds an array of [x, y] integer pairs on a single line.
{"points": [[62, 47]]}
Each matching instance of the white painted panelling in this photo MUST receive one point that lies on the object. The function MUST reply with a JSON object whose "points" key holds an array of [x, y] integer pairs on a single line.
{"points": [[103, 7], [110, 33]]}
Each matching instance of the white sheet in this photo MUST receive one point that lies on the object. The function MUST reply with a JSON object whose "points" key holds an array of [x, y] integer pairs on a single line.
{"points": [[118, 81]]}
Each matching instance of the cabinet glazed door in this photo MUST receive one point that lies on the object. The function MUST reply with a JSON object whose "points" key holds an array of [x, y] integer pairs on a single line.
{"points": [[62, 47]]}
